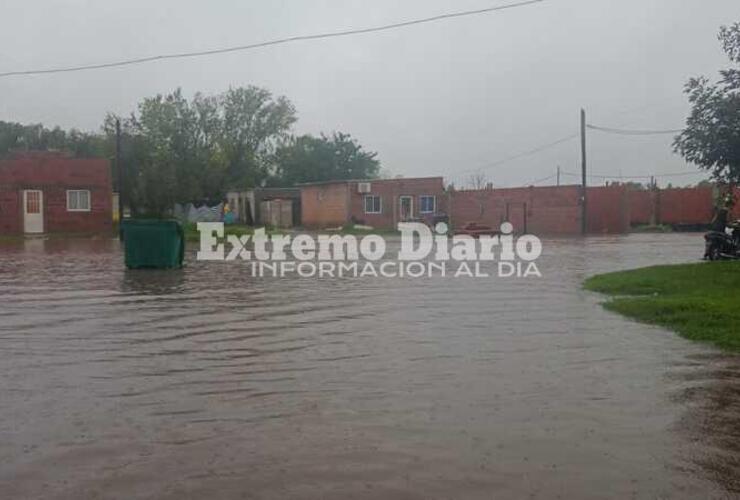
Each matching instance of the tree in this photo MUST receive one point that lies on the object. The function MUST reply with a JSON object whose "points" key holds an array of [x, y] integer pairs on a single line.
{"points": [[635, 186], [18, 137], [315, 159], [478, 181], [711, 139], [253, 125], [188, 151]]}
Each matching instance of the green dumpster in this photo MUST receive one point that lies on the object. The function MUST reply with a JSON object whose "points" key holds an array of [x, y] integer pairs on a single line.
{"points": [[153, 244]]}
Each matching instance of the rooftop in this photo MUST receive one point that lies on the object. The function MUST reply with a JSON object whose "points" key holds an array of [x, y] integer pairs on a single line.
{"points": [[350, 181]]}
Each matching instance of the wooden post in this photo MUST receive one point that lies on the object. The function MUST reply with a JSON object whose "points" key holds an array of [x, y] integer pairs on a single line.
{"points": [[584, 210]]}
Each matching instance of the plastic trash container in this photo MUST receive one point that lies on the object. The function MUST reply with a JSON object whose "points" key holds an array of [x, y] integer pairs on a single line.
{"points": [[153, 244]]}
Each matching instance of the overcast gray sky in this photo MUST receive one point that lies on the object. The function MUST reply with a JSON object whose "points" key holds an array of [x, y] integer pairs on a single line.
{"points": [[435, 99]]}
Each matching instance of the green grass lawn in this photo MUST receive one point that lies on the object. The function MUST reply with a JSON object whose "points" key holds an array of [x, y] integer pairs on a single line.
{"points": [[192, 234], [699, 301]]}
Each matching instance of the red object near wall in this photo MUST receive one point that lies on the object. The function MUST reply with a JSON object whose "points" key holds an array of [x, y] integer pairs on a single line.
{"points": [[54, 174]]}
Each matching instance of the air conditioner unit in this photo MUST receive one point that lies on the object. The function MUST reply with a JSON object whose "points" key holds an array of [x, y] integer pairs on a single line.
{"points": [[363, 187]]}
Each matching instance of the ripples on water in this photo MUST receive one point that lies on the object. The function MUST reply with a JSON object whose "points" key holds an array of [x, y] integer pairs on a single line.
{"points": [[206, 381]]}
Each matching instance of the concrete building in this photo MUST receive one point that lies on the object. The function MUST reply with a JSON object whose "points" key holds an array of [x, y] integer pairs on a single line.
{"points": [[44, 192], [380, 203]]}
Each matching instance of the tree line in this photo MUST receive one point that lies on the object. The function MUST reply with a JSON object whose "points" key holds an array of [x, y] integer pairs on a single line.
{"points": [[179, 150]]}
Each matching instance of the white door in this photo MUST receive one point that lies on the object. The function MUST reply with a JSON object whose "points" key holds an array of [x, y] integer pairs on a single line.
{"points": [[407, 208], [33, 211]]}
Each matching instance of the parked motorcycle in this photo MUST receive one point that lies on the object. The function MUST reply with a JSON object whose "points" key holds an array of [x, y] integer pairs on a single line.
{"points": [[721, 246]]}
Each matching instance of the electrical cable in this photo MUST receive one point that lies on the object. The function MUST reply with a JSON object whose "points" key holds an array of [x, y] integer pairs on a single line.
{"points": [[280, 41], [521, 155], [634, 132]]}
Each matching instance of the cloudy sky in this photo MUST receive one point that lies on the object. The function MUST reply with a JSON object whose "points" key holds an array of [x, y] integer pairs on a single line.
{"points": [[447, 98]]}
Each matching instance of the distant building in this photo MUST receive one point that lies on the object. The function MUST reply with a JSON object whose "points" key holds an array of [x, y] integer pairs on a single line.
{"points": [[380, 203], [44, 192], [275, 207]]}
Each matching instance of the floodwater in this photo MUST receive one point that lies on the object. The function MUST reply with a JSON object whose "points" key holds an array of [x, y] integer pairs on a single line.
{"points": [[207, 383]]}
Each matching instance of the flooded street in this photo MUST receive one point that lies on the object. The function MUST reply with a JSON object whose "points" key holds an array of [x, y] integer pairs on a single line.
{"points": [[207, 382]]}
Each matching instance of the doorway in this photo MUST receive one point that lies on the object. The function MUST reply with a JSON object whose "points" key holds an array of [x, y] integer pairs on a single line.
{"points": [[406, 205], [33, 211]]}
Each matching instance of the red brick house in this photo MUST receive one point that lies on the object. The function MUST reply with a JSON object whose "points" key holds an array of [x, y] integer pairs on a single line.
{"points": [[380, 203], [44, 192]]}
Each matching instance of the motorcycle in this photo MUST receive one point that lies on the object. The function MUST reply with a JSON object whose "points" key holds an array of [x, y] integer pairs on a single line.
{"points": [[722, 246]]}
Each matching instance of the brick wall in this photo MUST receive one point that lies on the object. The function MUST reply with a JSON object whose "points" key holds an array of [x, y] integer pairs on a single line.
{"points": [[338, 203], [544, 210], [686, 206], [54, 174], [643, 207], [608, 209], [690, 206], [390, 192], [324, 205], [10, 210]]}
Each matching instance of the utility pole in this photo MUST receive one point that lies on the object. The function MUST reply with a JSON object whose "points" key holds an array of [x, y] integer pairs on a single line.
{"points": [[584, 211], [119, 171], [558, 175]]}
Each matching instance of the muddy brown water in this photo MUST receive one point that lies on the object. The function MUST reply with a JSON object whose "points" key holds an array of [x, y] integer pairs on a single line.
{"points": [[207, 383]]}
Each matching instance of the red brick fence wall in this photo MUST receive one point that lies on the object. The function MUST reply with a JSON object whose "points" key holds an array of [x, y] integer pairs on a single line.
{"points": [[677, 206], [543, 210], [557, 210]]}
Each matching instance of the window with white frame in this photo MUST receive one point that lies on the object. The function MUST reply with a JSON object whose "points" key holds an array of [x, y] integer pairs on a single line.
{"points": [[78, 200], [427, 204], [373, 205]]}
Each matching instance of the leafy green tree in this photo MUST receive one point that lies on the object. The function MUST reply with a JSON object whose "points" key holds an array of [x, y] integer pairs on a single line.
{"points": [[253, 124], [198, 149], [17, 137], [314, 159], [711, 139], [169, 126]]}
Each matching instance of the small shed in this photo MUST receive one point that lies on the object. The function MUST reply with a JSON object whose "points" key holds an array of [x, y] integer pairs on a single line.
{"points": [[283, 209]]}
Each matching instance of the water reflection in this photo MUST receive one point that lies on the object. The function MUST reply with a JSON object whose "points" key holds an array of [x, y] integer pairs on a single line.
{"points": [[712, 418], [153, 282]]}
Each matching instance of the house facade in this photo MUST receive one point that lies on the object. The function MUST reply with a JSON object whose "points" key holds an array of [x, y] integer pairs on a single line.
{"points": [[46, 192], [380, 203]]}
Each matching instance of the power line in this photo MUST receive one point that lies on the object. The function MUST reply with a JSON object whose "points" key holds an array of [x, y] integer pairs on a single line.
{"points": [[522, 154], [541, 180], [634, 132], [280, 41], [599, 176], [573, 136]]}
